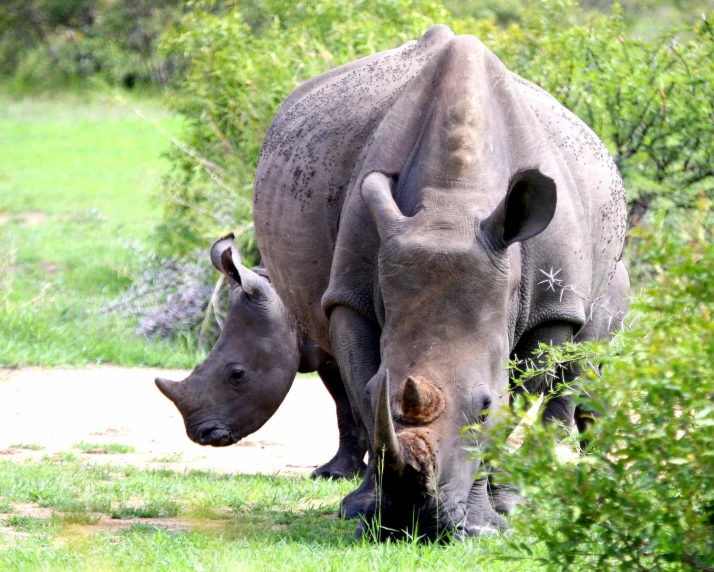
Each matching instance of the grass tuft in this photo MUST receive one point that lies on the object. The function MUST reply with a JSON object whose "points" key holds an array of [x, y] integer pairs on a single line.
{"points": [[28, 446], [158, 509], [106, 449]]}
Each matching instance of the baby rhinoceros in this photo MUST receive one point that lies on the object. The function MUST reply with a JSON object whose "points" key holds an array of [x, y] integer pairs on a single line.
{"points": [[251, 368]]}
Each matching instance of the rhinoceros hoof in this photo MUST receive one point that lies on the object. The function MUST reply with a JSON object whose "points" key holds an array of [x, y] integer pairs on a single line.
{"points": [[357, 503], [494, 526], [341, 466], [493, 522]]}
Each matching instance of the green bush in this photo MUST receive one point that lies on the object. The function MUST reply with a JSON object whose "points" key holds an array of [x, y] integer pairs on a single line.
{"points": [[649, 100], [239, 69], [642, 498], [47, 45]]}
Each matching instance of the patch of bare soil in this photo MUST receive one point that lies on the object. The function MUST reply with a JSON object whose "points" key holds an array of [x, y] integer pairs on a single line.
{"points": [[29, 509], [100, 522], [24, 219], [58, 408]]}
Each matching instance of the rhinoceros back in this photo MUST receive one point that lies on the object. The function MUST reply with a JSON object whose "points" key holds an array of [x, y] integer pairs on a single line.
{"points": [[310, 155]]}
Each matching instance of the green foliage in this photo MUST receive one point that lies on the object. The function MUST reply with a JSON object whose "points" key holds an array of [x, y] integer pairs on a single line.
{"points": [[239, 69], [649, 100], [642, 498], [51, 44]]}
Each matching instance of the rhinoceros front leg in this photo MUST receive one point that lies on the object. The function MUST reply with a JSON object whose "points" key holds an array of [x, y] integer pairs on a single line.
{"points": [[355, 341], [559, 406], [607, 319], [503, 497], [481, 517], [348, 462]]}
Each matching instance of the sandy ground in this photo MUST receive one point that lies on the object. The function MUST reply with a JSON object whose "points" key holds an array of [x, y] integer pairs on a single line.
{"points": [[57, 408]]}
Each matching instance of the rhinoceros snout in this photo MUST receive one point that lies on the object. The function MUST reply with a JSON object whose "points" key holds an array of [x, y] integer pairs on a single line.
{"points": [[214, 436]]}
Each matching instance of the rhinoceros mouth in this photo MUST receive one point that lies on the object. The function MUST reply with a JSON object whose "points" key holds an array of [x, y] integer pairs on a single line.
{"points": [[424, 522], [213, 434]]}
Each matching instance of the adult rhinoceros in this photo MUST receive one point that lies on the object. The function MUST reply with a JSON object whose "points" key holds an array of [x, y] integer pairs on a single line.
{"points": [[251, 368], [426, 214]]}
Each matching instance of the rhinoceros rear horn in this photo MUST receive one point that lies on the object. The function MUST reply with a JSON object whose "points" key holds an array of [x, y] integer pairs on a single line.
{"points": [[385, 437], [377, 194], [419, 401], [527, 209]]}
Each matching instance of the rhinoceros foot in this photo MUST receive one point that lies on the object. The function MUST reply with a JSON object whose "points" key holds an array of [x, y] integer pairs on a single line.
{"points": [[342, 466], [356, 504]]}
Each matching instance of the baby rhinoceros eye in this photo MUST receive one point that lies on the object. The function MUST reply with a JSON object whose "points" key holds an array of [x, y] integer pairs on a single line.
{"points": [[235, 374]]}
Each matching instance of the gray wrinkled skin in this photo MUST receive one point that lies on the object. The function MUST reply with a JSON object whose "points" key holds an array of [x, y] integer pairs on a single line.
{"points": [[251, 368], [426, 214]]}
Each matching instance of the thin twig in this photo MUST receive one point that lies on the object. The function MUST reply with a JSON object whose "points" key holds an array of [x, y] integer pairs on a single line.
{"points": [[209, 309]]}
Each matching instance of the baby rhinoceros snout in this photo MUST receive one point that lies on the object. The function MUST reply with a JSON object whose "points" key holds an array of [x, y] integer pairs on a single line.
{"points": [[214, 436]]}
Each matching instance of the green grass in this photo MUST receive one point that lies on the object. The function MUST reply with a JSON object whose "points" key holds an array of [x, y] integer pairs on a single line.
{"points": [[78, 177], [163, 509], [172, 458], [106, 449], [27, 446], [208, 521]]}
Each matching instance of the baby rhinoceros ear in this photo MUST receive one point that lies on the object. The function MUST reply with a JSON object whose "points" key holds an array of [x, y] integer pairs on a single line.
{"points": [[526, 211], [222, 245], [226, 258]]}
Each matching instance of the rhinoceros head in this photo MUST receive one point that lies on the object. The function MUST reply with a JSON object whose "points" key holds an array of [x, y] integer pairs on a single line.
{"points": [[251, 368], [445, 281]]}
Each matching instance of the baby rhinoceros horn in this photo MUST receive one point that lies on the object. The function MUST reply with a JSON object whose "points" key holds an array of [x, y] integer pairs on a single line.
{"points": [[419, 401], [170, 389]]}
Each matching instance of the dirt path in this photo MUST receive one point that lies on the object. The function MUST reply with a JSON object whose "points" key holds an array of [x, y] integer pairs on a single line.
{"points": [[58, 408]]}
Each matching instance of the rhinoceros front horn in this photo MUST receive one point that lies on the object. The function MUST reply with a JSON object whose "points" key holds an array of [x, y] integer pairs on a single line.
{"points": [[170, 389], [385, 437]]}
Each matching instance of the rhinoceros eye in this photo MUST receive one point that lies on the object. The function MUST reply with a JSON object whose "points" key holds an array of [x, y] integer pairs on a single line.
{"points": [[235, 374]]}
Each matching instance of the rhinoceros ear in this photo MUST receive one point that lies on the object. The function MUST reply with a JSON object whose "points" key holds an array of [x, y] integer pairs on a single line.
{"points": [[226, 258], [252, 284], [219, 247], [377, 194], [527, 209]]}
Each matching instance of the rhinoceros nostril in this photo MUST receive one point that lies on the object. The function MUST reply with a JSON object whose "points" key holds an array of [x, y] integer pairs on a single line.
{"points": [[216, 436]]}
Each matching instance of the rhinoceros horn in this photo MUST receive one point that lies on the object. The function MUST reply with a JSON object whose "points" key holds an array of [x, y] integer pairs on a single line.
{"points": [[385, 437], [419, 402], [171, 389]]}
